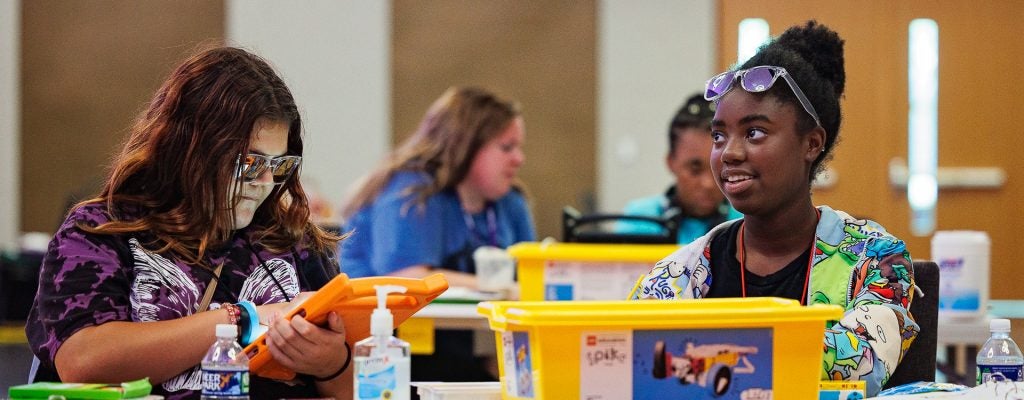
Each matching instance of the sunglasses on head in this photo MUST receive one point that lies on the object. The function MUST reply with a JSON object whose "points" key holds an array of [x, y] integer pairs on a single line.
{"points": [[756, 80], [251, 166]]}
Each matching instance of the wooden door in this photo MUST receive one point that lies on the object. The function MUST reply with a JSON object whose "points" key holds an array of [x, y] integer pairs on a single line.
{"points": [[979, 101]]}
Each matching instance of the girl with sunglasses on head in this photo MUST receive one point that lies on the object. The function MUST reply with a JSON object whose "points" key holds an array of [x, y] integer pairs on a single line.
{"points": [[447, 190], [201, 221], [776, 123]]}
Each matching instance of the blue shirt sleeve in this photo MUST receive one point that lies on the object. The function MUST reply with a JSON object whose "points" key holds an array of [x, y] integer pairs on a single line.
{"points": [[394, 232], [353, 251]]}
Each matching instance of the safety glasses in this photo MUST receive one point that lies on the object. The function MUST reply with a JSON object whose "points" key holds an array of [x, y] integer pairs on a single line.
{"points": [[756, 80], [251, 166]]}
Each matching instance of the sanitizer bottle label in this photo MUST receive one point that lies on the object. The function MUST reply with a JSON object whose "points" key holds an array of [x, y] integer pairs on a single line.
{"points": [[375, 378]]}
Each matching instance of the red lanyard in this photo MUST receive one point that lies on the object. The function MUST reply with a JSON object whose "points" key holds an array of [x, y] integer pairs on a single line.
{"points": [[810, 260]]}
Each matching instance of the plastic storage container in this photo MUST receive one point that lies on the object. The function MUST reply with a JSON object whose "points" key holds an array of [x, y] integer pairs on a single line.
{"points": [[458, 390], [583, 271], [963, 259], [657, 349]]}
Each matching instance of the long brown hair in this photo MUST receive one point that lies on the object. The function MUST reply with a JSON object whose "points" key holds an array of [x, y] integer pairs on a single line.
{"points": [[176, 172], [451, 133]]}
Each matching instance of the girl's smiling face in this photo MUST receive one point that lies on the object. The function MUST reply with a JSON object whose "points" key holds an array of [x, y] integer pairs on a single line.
{"points": [[758, 158]]}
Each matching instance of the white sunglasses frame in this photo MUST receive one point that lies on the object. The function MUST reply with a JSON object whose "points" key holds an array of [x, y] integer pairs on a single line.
{"points": [[778, 72]]}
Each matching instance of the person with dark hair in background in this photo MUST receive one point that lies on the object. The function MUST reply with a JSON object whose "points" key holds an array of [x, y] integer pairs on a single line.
{"points": [[694, 201], [776, 123], [201, 221], [447, 190]]}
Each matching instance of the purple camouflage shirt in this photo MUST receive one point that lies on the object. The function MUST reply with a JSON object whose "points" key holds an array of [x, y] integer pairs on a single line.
{"points": [[88, 279]]}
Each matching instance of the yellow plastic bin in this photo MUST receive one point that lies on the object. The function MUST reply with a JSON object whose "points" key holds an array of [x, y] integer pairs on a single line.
{"points": [[754, 348], [583, 271]]}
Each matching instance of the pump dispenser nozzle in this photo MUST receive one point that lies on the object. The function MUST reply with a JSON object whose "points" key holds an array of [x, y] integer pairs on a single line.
{"points": [[382, 361], [381, 321]]}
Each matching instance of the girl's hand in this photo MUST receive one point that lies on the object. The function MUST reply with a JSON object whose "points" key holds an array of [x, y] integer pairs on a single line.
{"points": [[306, 348], [267, 311]]}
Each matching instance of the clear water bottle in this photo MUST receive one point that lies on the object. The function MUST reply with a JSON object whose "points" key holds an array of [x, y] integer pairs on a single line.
{"points": [[226, 367], [1000, 358]]}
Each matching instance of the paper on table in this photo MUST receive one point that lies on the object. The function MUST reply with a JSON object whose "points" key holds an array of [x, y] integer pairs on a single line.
{"points": [[462, 294], [1003, 390]]}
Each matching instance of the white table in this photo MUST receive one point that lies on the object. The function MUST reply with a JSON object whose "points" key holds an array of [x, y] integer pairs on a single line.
{"points": [[454, 316], [462, 316]]}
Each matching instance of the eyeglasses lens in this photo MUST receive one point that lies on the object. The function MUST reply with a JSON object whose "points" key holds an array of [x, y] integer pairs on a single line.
{"points": [[281, 167], [252, 167], [718, 85], [758, 79]]}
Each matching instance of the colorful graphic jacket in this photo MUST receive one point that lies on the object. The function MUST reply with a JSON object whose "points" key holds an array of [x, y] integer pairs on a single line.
{"points": [[857, 265]]}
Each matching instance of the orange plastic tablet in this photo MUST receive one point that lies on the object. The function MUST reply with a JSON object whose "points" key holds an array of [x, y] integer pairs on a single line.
{"points": [[353, 300]]}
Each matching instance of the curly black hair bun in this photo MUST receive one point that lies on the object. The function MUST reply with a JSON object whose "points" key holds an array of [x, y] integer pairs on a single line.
{"points": [[822, 48], [813, 55]]}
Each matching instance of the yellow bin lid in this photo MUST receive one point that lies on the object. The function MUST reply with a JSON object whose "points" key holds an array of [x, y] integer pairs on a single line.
{"points": [[591, 251], [647, 314]]}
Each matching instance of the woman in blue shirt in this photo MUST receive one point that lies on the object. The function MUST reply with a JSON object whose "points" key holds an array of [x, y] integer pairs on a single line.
{"points": [[450, 188]]}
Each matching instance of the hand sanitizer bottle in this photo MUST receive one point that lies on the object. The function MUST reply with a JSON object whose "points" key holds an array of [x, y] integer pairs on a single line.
{"points": [[382, 362]]}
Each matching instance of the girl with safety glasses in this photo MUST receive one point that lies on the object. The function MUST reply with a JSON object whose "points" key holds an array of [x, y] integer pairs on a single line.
{"points": [[202, 221], [776, 122]]}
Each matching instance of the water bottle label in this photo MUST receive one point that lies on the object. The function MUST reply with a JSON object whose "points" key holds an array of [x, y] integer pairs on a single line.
{"points": [[225, 383], [999, 373]]}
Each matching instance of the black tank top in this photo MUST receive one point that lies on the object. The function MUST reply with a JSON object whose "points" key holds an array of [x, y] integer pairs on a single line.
{"points": [[725, 272]]}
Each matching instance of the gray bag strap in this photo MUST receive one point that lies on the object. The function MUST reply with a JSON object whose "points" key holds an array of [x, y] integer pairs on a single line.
{"points": [[212, 287]]}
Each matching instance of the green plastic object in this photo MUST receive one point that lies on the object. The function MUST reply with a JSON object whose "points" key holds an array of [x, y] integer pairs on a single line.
{"points": [[85, 391]]}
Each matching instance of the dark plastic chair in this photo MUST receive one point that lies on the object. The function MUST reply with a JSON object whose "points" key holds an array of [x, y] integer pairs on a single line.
{"points": [[587, 228], [919, 362]]}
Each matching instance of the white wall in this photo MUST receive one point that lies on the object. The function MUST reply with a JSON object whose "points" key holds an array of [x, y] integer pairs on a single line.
{"points": [[652, 55], [335, 57], [10, 119]]}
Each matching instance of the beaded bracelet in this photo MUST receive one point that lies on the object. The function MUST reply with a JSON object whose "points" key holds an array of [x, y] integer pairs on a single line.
{"points": [[234, 313], [250, 322], [348, 360]]}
